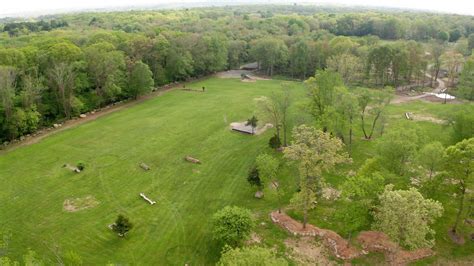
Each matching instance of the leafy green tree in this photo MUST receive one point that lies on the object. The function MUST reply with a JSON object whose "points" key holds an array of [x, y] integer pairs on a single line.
{"points": [[455, 35], [443, 36], [236, 53], [379, 63], [315, 152], [122, 225], [397, 147], [347, 65], [105, 68], [406, 216], [210, 54], [140, 80], [339, 118], [232, 225], [359, 196], [459, 162], [270, 53], [64, 52], [267, 167], [12, 57], [299, 65], [463, 125], [179, 64], [322, 89], [138, 47], [470, 45], [250, 256], [466, 82], [431, 157]]}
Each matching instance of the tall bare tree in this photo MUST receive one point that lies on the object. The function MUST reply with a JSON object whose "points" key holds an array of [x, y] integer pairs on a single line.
{"points": [[62, 82], [275, 110], [7, 90]]}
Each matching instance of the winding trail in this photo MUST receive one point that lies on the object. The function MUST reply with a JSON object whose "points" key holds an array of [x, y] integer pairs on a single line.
{"points": [[404, 98]]}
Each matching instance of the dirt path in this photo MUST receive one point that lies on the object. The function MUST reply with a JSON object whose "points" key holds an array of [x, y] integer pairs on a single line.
{"points": [[46, 132], [400, 98], [370, 241]]}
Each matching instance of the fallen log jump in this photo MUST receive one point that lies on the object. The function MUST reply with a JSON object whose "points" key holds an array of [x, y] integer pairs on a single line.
{"points": [[147, 199]]}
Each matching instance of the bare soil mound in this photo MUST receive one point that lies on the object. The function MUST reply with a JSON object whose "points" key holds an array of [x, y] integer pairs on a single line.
{"points": [[340, 247], [306, 251], [77, 204]]}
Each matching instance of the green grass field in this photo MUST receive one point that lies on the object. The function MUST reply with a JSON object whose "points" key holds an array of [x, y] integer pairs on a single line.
{"points": [[158, 132]]}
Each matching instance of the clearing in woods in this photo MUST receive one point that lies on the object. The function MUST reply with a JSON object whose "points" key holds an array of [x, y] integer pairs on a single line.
{"points": [[45, 206]]}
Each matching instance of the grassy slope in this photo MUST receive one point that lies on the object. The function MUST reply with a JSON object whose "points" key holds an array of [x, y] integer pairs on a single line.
{"points": [[177, 229], [157, 132]]}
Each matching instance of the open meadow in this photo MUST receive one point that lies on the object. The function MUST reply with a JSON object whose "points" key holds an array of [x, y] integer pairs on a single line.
{"points": [[161, 132]]}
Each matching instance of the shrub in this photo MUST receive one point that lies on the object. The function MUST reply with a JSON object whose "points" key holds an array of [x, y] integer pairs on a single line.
{"points": [[274, 142], [254, 177], [81, 166], [122, 225], [232, 225]]}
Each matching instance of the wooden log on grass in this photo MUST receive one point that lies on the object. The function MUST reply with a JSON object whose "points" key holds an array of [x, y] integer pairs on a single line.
{"points": [[145, 167], [147, 199], [72, 168], [192, 160]]}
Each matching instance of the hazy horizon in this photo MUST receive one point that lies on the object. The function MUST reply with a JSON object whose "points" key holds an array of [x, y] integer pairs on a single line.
{"points": [[45, 7]]}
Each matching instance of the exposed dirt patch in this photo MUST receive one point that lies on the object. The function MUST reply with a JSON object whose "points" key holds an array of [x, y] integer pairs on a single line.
{"points": [[254, 239], [77, 204], [427, 118], [306, 251], [340, 247]]}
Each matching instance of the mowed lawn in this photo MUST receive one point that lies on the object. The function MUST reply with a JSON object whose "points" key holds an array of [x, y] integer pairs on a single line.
{"points": [[158, 132]]}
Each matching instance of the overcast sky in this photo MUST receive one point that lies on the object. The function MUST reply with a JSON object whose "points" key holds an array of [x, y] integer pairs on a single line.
{"points": [[51, 6]]}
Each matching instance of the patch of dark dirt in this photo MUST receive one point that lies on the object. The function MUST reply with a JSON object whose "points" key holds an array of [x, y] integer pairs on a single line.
{"points": [[456, 238]]}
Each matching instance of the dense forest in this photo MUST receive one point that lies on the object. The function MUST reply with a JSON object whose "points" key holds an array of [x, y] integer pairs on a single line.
{"points": [[56, 67]]}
